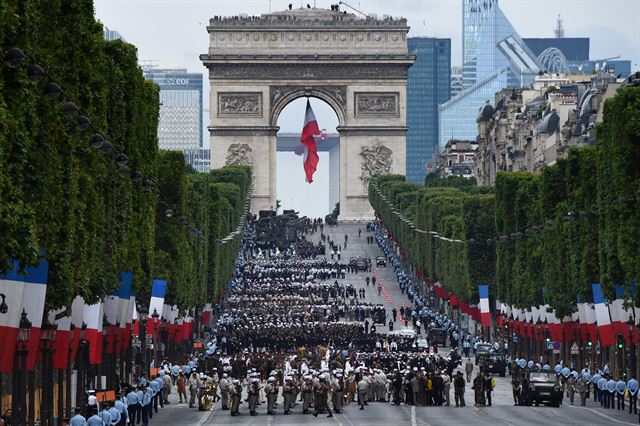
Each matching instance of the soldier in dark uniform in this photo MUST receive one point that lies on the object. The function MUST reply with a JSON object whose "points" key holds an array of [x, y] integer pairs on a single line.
{"points": [[458, 389], [516, 387]]}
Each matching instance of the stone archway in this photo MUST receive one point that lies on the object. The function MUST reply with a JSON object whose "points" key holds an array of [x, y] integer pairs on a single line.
{"points": [[258, 65]]}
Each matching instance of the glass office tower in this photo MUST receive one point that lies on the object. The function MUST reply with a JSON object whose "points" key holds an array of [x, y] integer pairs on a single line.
{"points": [[428, 86], [181, 112], [494, 57]]}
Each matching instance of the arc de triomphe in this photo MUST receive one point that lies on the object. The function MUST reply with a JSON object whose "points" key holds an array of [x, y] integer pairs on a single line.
{"points": [[257, 65]]}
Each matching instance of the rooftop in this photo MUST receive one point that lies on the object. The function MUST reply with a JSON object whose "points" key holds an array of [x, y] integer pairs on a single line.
{"points": [[304, 18]]}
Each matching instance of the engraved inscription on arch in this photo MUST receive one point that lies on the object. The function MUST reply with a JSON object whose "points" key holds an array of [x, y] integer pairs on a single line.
{"points": [[245, 104], [377, 104]]}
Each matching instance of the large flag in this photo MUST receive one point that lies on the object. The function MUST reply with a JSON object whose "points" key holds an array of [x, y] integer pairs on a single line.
{"points": [[309, 131], [61, 318], [485, 314], [156, 305], [77, 316], [92, 317], [123, 310], [11, 289], [605, 328], [35, 291], [207, 313]]}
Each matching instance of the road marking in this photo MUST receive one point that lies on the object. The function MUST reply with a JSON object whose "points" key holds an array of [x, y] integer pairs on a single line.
{"points": [[413, 415], [207, 418], [602, 415]]}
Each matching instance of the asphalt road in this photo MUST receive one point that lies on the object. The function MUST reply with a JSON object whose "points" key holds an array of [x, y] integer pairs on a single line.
{"points": [[503, 412]]}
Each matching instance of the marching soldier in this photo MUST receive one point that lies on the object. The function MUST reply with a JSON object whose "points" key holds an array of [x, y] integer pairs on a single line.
{"points": [[253, 391], [307, 389], [193, 389], [288, 394], [272, 394], [338, 392], [581, 388], [224, 391], [235, 393], [322, 392]]}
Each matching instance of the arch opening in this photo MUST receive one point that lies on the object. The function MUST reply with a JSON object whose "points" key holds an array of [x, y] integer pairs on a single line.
{"points": [[318, 198]]}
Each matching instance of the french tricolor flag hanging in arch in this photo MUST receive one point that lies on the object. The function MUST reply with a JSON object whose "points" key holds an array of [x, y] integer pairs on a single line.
{"points": [[485, 313], [605, 328], [310, 131]]}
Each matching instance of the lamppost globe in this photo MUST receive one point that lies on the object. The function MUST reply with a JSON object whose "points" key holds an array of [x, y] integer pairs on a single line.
{"points": [[14, 57]]}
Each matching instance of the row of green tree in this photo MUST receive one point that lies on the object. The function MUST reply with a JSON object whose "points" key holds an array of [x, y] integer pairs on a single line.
{"points": [[575, 223], [464, 214], [60, 195]]}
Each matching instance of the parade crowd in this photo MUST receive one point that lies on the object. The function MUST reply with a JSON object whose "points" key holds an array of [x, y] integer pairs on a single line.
{"points": [[295, 334]]}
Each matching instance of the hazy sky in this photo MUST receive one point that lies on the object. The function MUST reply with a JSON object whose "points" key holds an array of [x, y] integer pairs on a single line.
{"points": [[173, 32]]}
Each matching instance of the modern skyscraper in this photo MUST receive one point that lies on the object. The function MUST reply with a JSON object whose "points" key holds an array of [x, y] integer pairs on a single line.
{"points": [[181, 112], [573, 48], [428, 86], [112, 35], [493, 57]]}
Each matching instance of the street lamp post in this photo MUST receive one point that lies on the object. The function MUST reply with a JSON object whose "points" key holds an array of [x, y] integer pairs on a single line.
{"points": [[19, 402], [156, 323], [47, 337], [142, 316], [81, 358], [631, 365], [106, 353]]}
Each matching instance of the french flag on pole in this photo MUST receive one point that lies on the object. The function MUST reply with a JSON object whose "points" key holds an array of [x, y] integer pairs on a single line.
{"points": [[11, 289], [63, 336], [123, 298], [77, 318], [128, 330], [309, 131], [485, 314], [156, 304], [35, 291], [92, 316], [605, 328], [207, 314]]}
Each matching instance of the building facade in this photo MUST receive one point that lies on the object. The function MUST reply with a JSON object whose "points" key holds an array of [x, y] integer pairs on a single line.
{"points": [[112, 35], [526, 129], [457, 159], [428, 86], [181, 112]]}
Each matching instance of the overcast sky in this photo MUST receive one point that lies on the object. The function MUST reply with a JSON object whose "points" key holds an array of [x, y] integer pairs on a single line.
{"points": [[173, 32]]}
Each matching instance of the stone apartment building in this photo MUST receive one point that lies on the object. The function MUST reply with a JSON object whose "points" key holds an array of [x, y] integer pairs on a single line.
{"points": [[526, 129]]}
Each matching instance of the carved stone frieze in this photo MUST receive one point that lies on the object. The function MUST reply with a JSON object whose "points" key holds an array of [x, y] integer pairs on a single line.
{"points": [[376, 160], [316, 71], [249, 103], [376, 104], [239, 154]]}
